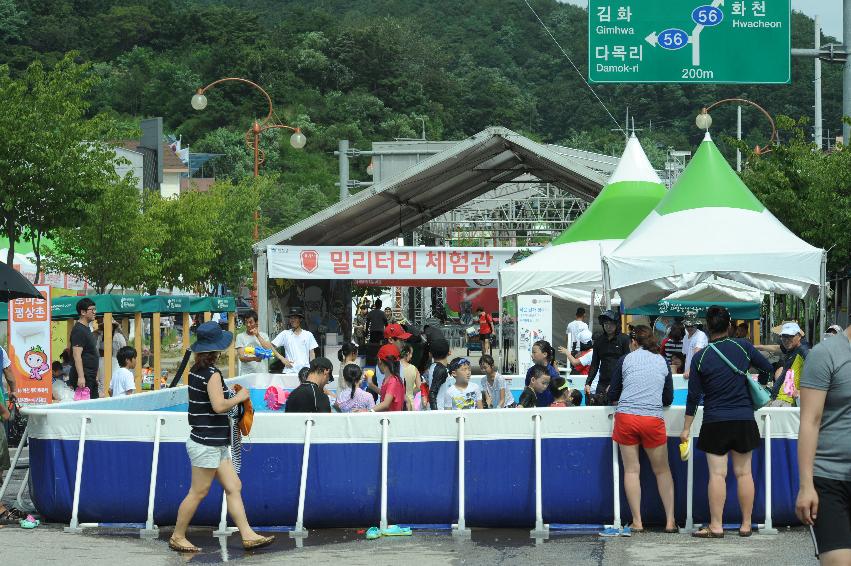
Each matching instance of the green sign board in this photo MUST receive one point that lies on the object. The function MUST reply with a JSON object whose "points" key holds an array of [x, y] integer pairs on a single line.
{"points": [[689, 41]]}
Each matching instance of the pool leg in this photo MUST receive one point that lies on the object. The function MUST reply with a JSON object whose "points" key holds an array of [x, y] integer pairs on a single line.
{"points": [[75, 526], [299, 532], [689, 526], [385, 424], [224, 530], [460, 529], [151, 530], [768, 527], [616, 482], [541, 530], [14, 463]]}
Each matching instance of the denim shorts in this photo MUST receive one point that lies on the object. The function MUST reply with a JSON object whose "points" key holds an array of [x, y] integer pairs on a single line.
{"points": [[203, 456]]}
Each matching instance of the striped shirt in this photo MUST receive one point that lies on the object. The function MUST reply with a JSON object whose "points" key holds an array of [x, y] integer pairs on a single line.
{"points": [[208, 427], [669, 346]]}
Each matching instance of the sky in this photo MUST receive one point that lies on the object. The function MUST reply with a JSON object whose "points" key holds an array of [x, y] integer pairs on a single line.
{"points": [[830, 12]]}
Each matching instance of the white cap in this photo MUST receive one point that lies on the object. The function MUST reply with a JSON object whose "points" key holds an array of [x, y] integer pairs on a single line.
{"points": [[790, 329], [836, 328], [584, 336]]}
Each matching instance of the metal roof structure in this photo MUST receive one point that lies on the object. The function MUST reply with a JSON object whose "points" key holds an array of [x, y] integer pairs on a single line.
{"points": [[443, 182]]}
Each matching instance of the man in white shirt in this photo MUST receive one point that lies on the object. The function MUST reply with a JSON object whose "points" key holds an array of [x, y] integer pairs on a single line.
{"points": [[255, 337], [694, 341], [298, 343], [574, 328]]}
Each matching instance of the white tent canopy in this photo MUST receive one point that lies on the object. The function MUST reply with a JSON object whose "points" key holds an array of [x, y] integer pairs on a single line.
{"points": [[570, 267], [710, 225]]}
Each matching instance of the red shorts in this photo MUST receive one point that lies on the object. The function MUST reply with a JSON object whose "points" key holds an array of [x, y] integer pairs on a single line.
{"points": [[635, 429]]}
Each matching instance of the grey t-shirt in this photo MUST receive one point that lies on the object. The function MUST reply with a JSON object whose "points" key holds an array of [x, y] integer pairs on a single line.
{"points": [[828, 368]]}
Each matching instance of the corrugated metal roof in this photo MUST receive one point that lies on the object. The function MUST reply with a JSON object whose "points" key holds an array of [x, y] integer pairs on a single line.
{"points": [[438, 184]]}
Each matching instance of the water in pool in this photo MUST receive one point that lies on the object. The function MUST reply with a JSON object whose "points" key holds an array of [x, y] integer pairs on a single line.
{"points": [[258, 401]]}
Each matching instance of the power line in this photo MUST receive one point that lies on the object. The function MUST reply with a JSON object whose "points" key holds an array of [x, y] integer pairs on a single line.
{"points": [[581, 76]]}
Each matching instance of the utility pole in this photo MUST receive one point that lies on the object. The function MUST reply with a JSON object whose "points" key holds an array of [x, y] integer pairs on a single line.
{"points": [[836, 54], [817, 86]]}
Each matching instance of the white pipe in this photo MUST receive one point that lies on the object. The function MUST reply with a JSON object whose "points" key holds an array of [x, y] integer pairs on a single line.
{"points": [[152, 489], [768, 527], [302, 488], [14, 463], [689, 526], [501, 359], [461, 528], [616, 480], [385, 422], [541, 530], [74, 527], [24, 483]]}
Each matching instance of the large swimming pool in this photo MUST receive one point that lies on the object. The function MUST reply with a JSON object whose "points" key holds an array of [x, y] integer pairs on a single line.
{"points": [[495, 468]]}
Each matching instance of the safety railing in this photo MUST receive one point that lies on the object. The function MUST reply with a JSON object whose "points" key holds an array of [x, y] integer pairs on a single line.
{"points": [[299, 531]]}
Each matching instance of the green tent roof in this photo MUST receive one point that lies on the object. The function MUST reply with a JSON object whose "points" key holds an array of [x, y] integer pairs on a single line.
{"points": [[65, 308], [708, 182], [633, 191]]}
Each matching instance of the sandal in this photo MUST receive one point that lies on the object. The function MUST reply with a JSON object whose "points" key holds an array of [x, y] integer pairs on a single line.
{"points": [[706, 533], [182, 547], [258, 543], [7, 517], [745, 534], [672, 531]]}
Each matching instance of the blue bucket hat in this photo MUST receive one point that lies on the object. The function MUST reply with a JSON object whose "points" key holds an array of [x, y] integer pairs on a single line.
{"points": [[211, 338]]}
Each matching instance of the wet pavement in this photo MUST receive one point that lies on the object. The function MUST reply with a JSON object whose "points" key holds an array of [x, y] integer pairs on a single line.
{"points": [[49, 545]]}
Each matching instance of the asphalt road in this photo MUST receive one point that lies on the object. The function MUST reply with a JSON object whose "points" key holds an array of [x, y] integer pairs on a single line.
{"points": [[49, 545]]}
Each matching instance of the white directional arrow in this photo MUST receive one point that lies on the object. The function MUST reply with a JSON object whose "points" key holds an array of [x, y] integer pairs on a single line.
{"points": [[652, 39], [695, 37]]}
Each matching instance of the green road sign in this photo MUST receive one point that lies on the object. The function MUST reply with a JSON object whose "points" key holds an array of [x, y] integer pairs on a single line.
{"points": [[689, 41]]}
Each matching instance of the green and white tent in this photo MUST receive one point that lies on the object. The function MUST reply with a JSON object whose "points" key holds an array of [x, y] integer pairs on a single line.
{"points": [[710, 225], [569, 268]]}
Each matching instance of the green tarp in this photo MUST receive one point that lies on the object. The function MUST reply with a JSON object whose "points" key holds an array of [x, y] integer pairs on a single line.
{"points": [[65, 308], [738, 311]]}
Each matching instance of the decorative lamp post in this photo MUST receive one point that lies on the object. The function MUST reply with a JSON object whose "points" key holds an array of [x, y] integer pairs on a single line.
{"points": [[704, 121], [252, 141]]}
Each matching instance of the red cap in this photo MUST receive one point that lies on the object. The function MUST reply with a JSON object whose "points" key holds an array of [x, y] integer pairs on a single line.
{"points": [[389, 352], [394, 331]]}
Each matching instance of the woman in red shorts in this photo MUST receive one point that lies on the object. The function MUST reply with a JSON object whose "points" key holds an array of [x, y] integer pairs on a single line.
{"points": [[641, 386]]}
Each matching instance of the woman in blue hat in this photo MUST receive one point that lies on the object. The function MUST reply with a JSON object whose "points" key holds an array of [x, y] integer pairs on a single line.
{"points": [[209, 442]]}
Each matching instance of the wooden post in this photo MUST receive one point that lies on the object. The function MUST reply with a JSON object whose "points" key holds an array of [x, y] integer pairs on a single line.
{"points": [[107, 351], [756, 332], [208, 316], [155, 347], [125, 328], [232, 348], [187, 322], [138, 332]]}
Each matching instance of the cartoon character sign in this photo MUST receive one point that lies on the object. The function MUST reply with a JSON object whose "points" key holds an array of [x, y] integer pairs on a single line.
{"points": [[36, 360]]}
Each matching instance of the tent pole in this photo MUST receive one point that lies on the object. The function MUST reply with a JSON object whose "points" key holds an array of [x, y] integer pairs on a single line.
{"points": [[591, 311], [500, 345]]}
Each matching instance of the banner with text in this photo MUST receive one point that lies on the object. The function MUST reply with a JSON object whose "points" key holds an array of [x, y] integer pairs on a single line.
{"points": [[534, 322], [30, 348], [401, 265]]}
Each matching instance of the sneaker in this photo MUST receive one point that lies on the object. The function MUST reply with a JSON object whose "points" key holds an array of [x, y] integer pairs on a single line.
{"points": [[626, 532], [610, 532]]}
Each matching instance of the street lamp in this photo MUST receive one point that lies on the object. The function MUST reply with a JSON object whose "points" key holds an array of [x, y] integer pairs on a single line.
{"points": [[252, 140], [704, 120]]}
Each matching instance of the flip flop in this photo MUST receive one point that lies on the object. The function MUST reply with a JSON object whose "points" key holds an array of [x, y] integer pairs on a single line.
{"points": [[182, 548], [706, 533], [373, 533], [259, 543], [672, 531], [396, 531], [745, 534]]}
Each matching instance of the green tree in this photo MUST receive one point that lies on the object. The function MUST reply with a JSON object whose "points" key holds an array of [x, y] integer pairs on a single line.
{"points": [[808, 190], [111, 246], [51, 164]]}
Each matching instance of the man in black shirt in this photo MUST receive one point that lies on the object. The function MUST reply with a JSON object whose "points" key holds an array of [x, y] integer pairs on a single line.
{"points": [[608, 349], [84, 370], [310, 397], [375, 323]]}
